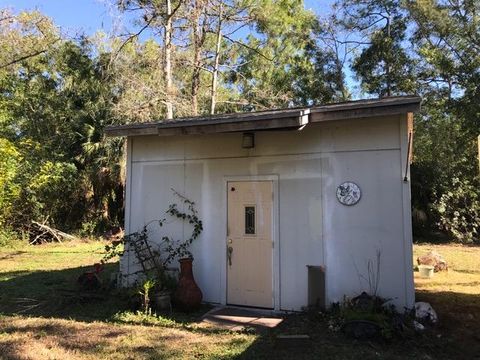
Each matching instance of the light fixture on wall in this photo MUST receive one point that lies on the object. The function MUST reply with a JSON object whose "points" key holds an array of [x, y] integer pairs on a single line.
{"points": [[248, 141]]}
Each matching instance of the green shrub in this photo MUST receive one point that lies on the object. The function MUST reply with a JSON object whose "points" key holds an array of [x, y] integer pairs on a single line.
{"points": [[52, 187], [8, 237], [351, 315], [89, 228], [142, 318], [459, 211], [9, 190]]}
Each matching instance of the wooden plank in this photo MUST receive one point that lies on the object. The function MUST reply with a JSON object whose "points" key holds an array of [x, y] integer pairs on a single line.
{"points": [[358, 104], [300, 341], [410, 131], [234, 118], [257, 121], [478, 140], [130, 131], [287, 123], [319, 116]]}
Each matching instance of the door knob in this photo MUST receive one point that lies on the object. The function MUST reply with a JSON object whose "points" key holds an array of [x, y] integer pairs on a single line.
{"points": [[229, 255]]}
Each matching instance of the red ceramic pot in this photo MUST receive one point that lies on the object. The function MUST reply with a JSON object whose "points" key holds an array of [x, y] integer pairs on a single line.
{"points": [[188, 295]]}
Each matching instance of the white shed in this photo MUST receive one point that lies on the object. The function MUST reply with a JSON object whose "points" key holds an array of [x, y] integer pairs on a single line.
{"points": [[284, 195]]}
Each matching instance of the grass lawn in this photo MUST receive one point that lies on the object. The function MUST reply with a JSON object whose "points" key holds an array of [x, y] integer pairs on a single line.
{"points": [[455, 295], [42, 317]]}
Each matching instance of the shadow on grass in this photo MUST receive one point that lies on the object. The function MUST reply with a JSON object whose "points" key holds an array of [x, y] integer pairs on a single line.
{"points": [[456, 336], [27, 337], [56, 293], [53, 294], [12, 255], [459, 313], [457, 330]]}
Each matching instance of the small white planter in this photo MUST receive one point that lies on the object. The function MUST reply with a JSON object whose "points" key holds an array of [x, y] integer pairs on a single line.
{"points": [[426, 271]]}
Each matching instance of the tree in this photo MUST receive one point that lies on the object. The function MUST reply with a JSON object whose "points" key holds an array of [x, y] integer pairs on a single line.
{"points": [[199, 23], [9, 190], [447, 39], [228, 18], [447, 42], [273, 65], [320, 78], [281, 57], [159, 16], [53, 108], [137, 79], [383, 65], [24, 36]]}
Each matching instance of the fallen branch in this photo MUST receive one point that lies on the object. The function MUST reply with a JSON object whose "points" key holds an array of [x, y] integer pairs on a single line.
{"points": [[39, 236], [26, 304], [57, 234]]}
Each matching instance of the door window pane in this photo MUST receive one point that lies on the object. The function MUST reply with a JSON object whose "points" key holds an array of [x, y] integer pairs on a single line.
{"points": [[250, 220]]}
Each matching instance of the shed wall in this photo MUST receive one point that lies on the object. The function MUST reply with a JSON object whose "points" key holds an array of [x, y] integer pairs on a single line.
{"points": [[313, 228]]}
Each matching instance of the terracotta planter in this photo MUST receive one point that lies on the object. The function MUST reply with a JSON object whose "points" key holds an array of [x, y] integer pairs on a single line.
{"points": [[188, 295]]}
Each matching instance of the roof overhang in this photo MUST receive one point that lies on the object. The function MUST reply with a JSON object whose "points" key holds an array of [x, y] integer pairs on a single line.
{"points": [[365, 108], [283, 119], [252, 121]]}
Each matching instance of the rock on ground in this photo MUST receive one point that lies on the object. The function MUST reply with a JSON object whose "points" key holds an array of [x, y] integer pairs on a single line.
{"points": [[433, 259], [425, 312]]}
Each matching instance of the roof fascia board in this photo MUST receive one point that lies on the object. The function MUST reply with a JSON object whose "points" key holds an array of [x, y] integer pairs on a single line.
{"points": [[319, 115], [358, 104], [234, 118], [120, 130], [271, 120], [272, 124]]}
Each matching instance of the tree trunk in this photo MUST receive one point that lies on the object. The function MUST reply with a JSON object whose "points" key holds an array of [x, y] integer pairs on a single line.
{"points": [[387, 63], [197, 47], [168, 59], [213, 97]]}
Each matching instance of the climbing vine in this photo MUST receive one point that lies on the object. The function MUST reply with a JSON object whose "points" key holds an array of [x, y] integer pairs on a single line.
{"points": [[157, 256], [180, 248]]}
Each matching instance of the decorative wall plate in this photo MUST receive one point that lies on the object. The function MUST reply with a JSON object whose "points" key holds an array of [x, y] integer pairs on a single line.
{"points": [[348, 193]]}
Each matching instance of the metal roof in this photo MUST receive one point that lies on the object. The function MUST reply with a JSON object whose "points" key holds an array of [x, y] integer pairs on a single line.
{"points": [[292, 118]]}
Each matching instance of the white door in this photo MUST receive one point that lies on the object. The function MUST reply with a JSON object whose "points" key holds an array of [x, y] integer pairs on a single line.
{"points": [[250, 243]]}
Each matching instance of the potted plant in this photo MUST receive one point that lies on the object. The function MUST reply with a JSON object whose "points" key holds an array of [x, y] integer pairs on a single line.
{"points": [[145, 290], [162, 300], [154, 259], [163, 294]]}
